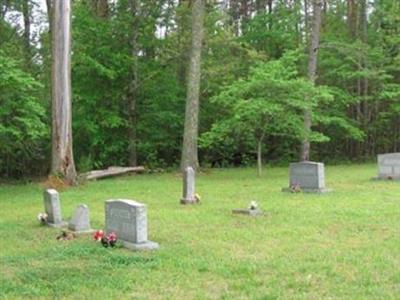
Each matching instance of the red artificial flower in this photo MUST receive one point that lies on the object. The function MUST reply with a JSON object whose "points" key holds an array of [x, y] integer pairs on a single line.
{"points": [[98, 235], [112, 237]]}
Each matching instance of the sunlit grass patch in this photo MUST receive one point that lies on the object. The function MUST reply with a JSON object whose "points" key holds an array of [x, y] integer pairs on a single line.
{"points": [[344, 244]]}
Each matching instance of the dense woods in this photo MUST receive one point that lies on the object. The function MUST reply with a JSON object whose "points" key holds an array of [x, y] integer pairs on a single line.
{"points": [[244, 68]]}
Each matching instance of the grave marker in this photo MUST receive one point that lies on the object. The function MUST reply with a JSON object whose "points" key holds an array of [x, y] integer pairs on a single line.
{"points": [[80, 221], [189, 193], [52, 206], [389, 166], [308, 177], [128, 219]]}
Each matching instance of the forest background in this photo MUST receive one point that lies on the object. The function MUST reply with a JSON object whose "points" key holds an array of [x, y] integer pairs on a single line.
{"points": [[129, 71]]}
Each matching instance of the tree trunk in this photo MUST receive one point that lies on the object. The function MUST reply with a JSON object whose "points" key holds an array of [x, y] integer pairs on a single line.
{"points": [[102, 8], [363, 24], [306, 29], [62, 155], [259, 156], [27, 31], [49, 6], [312, 70], [190, 136], [351, 18], [133, 88]]}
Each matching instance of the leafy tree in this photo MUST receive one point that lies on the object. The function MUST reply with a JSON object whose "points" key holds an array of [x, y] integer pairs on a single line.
{"points": [[22, 120], [268, 103]]}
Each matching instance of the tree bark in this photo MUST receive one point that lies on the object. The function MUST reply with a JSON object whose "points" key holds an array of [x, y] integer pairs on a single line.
{"points": [[62, 154], [133, 88], [363, 24], [102, 8], [312, 72], [27, 31], [49, 6], [352, 17], [190, 136], [259, 156]]}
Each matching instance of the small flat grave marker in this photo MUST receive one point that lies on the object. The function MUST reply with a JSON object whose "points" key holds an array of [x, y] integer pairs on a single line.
{"points": [[252, 210], [128, 219]]}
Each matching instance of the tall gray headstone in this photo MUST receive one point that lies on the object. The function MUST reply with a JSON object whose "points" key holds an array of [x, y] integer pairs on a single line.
{"points": [[128, 219], [307, 176], [53, 208], [188, 186], [80, 221], [389, 166]]}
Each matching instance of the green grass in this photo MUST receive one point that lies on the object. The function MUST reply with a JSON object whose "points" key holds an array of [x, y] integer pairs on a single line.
{"points": [[341, 245]]}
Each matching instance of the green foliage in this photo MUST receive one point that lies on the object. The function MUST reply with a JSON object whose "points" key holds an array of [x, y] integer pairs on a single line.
{"points": [[270, 102], [254, 65], [22, 127]]}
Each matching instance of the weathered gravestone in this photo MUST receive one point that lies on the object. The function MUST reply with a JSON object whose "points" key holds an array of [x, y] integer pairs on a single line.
{"points": [[128, 219], [53, 208], [307, 176], [389, 166], [80, 221], [189, 194]]}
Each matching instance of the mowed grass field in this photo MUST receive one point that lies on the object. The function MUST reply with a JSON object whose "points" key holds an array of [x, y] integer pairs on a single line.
{"points": [[341, 245]]}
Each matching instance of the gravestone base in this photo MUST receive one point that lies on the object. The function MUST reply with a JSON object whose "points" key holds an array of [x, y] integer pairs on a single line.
{"points": [[145, 246], [386, 178], [89, 231], [57, 225], [189, 201], [248, 212], [307, 190]]}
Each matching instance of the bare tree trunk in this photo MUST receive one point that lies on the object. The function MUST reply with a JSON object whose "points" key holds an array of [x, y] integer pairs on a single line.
{"points": [[312, 70], [49, 6], [62, 155], [27, 31], [102, 8], [363, 23], [190, 136], [306, 29], [352, 17], [259, 156], [133, 88]]}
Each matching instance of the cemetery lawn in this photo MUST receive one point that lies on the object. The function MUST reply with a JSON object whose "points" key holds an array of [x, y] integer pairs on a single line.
{"points": [[341, 245]]}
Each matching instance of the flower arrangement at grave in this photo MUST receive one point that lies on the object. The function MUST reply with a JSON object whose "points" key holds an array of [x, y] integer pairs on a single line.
{"points": [[107, 240], [66, 236], [253, 205], [197, 197], [295, 188], [42, 218]]}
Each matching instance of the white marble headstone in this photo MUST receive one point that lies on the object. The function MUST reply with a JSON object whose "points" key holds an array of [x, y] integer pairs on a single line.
{"points": [[52, 207], [189, 186]]}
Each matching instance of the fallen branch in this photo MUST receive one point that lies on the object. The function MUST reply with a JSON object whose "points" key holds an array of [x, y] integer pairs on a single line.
{"points": [[110, 172]]}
